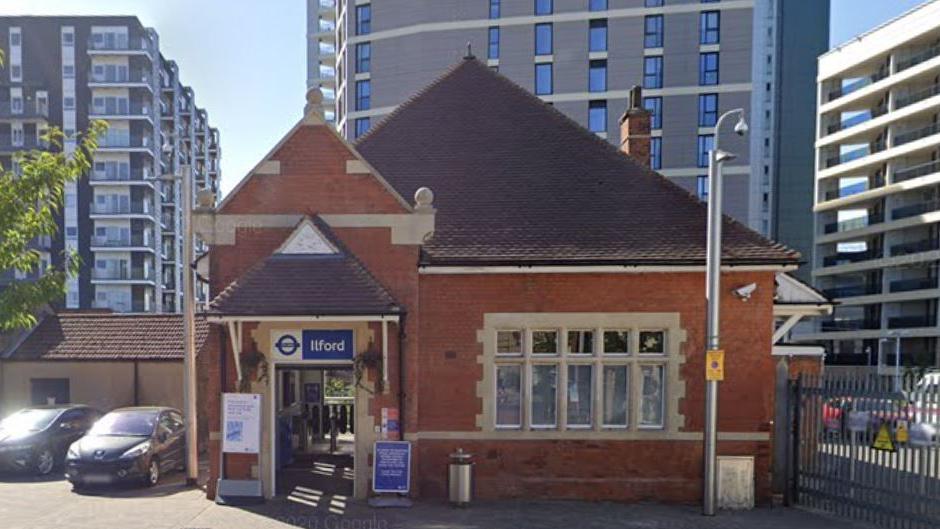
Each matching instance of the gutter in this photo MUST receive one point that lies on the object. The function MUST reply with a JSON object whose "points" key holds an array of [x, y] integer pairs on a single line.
{"points": [[401, 376]]}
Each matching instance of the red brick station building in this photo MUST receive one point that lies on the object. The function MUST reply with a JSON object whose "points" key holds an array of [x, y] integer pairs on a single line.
{"points": [[513, 285]]}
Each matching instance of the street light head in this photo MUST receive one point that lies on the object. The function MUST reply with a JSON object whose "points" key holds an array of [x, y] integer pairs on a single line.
{"points": [[740, 128], [724, 156]]}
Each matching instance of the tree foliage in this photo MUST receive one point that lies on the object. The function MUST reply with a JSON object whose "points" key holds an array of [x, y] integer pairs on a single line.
{"points": [[30, 200]]}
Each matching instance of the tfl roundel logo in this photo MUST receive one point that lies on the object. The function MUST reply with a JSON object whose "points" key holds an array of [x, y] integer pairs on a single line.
{"points": [[287, 345]]}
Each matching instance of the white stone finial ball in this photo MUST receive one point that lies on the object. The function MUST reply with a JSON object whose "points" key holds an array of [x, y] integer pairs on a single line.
{"points": [[424, 197]]}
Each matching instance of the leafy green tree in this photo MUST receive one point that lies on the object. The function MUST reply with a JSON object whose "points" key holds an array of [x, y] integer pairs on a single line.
{"points": [[30, 198]]}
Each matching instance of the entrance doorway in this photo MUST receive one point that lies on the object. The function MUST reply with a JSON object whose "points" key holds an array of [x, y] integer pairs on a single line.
{"points": [[315, 435]]}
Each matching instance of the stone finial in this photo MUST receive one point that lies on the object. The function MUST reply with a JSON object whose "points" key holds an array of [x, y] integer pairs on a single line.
{"points": [[313, 111], [424, 198]]}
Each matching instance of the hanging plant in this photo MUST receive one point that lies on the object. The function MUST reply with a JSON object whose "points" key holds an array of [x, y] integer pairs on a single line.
{"points": [[253, 362], [369, 359]]}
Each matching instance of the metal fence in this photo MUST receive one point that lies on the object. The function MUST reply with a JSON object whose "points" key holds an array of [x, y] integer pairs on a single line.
{"points": [[865, 448]]}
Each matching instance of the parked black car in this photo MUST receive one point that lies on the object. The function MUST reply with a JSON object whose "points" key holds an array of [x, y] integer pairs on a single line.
{"points": [[128, 445], [36, 439]]}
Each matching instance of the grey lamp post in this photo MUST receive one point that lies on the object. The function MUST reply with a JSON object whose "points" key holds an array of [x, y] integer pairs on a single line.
{"points": [[716, 158], [189, 322]]}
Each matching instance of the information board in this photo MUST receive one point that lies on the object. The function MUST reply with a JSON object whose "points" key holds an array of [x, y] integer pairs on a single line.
{"points": [[241, 423], [391, 467]]}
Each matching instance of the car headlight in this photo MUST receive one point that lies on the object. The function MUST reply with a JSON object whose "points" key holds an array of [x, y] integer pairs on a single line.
{"points": [[137, 451], [73, 451]]}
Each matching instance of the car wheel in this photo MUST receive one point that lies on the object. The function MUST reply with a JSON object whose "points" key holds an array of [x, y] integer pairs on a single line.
{"points": [[45, 462], [153, 472]]}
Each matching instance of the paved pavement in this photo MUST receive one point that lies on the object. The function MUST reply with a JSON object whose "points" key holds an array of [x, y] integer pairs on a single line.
{"points": [[30, 503]]}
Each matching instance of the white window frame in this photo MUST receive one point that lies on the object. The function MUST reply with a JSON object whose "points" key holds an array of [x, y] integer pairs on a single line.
{"points": [[632, 361]]}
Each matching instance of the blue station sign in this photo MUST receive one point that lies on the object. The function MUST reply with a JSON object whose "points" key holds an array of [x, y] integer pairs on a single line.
{"points": [[313, 344]]}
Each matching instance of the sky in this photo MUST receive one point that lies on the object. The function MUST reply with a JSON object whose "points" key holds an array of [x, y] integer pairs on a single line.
{"points": [[246, 59]]}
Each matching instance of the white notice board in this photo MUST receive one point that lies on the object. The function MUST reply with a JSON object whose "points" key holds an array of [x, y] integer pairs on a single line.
{"points": [[241, 423]]}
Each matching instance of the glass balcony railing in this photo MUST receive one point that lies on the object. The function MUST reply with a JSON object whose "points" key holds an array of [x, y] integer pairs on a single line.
{"points": [[122, 109], [117, 275], [916, 134], [7, 145], [853, 224], [857, 119], [854, 154], [136, 76], [916, 171], [912, 210], [848, 191], [142, 208], [853, 290], [907, 322], [23, 111], [133, 240], [923, 245], [134, 175], [917, 96], [908, 285], [100, 42], [118, 305], [849, 324], [917, 58], [849, 257], [124, 142], [856, 85]]}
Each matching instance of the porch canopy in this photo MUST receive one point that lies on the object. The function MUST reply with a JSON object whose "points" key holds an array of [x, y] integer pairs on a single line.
{"points": [[311, 277]]}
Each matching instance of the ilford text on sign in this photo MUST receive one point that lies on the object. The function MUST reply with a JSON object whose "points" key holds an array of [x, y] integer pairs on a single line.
{"points": [[313, 344]]}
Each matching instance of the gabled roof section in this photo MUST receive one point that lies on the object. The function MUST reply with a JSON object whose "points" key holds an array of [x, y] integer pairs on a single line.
{"points": [[791, 290], [269, 165], [518, 183], [312, 274], [99, 336]]}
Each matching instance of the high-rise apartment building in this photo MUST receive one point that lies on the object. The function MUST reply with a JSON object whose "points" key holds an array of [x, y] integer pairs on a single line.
{"points": [[694, 59], [877, 208], [123, 218]]}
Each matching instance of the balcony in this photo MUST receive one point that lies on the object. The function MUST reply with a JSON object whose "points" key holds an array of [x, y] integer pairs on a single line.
{"points": [[916, 96], [909, 285], [28, 143], [853, 189], [24, 112], [134, 274], [907, 322], [121, 46], [853, 290], [849, 324], [120, 305], [912, 210], [857, 119], [907, 248], [135, 175], [916, 134], [853, 224], [134, 79], [854, 154], [122, 110], [850, 257], [138, 144], [138, 208], [857, 85], [134, 241], [916, 171], [917, 58]]}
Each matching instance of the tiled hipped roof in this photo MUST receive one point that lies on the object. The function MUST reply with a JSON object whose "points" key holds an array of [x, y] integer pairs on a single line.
{"points": [[517, 182], [108, 337]]}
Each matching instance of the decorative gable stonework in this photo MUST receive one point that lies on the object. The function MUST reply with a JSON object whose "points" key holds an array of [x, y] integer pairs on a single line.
{"points": [[307, 240]]}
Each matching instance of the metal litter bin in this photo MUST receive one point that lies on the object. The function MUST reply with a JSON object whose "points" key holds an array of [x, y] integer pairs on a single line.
{"points": [[460, 478]]}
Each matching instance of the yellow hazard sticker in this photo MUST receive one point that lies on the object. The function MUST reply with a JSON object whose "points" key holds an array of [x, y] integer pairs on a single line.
{"points": [[715, 364], [883, 439], [901, 434]]}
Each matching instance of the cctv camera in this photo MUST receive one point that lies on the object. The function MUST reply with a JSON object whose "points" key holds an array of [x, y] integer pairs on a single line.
{"points": [[744, 293]]}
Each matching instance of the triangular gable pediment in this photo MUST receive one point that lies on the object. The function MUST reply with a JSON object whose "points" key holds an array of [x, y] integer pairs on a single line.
{"points": [[307, 240]]}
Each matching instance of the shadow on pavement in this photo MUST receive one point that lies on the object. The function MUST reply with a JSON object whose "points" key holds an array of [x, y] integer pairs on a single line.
{"points": [[27, 477]]}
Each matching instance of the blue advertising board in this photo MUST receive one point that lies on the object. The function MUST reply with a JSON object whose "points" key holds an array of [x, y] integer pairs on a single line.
{"points": [[314, 344], [391, 467]]}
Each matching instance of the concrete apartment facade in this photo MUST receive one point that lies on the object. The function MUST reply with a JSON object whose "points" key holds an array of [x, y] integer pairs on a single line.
{"points": [[121, 218], [877, 204], [695, 59]]}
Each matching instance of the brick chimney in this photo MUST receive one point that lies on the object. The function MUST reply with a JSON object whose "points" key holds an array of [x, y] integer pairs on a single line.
{"points": [[635, 128]]}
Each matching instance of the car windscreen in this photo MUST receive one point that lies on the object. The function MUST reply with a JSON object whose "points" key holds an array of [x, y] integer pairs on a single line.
{"points": [[132, 423], [29, 420]]}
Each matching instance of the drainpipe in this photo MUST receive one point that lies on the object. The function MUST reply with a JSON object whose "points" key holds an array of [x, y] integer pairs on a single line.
{"points": [[401, 375]]}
